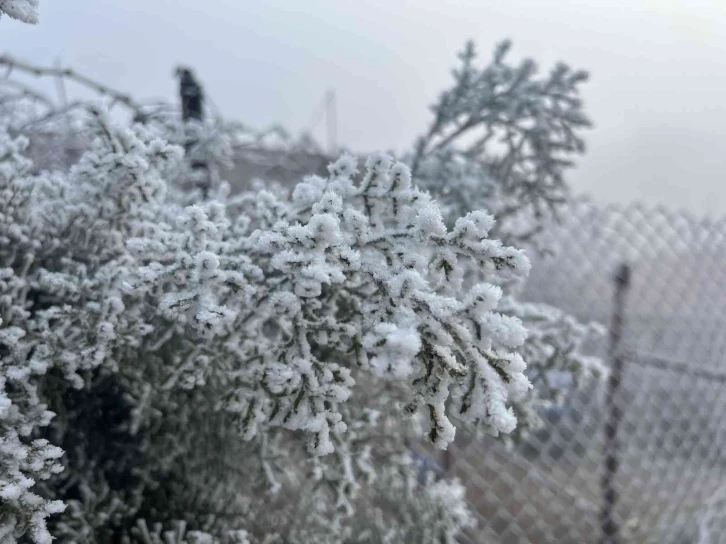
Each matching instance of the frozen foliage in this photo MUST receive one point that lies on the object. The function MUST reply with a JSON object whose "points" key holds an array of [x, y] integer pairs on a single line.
{"points": [[177, 533], [437, 506], [556, 359], [502, 139], [23, 458], [192, 351], [273, 306], [381, 255], [22, 10]]}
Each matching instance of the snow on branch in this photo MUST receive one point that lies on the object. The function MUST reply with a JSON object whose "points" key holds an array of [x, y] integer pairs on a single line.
{"points": [[11, 64], [25, 11], [503, 137]]}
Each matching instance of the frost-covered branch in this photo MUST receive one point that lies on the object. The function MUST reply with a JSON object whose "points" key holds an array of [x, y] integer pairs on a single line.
{"points": [[25, 11], [12, 64], [502, 138]]}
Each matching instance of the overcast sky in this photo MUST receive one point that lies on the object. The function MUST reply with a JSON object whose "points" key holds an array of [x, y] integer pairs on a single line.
{"points": [[657, 93]]}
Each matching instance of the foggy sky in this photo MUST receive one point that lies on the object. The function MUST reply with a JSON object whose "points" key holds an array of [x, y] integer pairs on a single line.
{"points": [[657, 93]]}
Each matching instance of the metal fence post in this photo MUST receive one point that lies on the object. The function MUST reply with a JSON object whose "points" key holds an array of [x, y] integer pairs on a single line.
{"points": [[609, 524], [191, 94]]}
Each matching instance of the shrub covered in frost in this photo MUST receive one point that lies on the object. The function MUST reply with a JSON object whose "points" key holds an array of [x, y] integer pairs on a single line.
{"points": [[261, 311], [191, 355]]}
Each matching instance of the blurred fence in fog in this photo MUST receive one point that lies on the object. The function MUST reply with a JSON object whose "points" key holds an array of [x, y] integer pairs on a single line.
{"points": [[670, 481]]}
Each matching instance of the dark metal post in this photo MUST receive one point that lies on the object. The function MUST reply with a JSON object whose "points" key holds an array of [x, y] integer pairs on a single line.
{"points": [[192, 106], [191, 94], [609, 524]]}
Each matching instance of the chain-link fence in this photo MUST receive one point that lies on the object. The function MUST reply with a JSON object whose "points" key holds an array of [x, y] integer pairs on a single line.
{"points": [[639, 456]]}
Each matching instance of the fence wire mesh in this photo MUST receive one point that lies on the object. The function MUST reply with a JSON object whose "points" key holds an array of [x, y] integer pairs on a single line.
{"points": [[670, 479]]}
